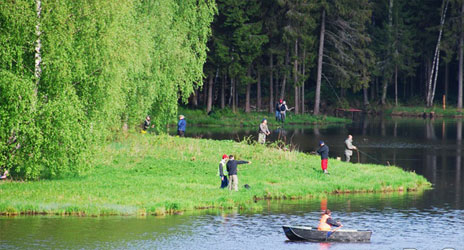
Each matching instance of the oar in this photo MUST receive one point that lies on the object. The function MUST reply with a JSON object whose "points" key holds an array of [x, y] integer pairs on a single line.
{"points": [[329, 233], [357, 150]]}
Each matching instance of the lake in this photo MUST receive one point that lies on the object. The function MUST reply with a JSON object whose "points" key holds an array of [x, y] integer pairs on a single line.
{"points": [[432, 219]]}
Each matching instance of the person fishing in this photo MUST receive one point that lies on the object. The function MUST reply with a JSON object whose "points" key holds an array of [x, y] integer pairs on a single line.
{"points": [[349, 147], [223, 172], [181, 125], [283, 111], [263, 131], [323, 151], [277, 110], [326, 222], [232, 170]]}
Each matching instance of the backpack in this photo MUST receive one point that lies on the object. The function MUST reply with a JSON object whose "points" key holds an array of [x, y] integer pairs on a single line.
{"points": [[282, 107]]}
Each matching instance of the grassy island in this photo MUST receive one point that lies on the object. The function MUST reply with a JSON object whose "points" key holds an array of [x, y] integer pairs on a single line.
{"points": [[227, 118], [159, 174]]}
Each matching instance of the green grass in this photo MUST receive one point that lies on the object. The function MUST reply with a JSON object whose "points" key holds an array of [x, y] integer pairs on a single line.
{"points": [[148, 174], [419, 111], [241, 119]]}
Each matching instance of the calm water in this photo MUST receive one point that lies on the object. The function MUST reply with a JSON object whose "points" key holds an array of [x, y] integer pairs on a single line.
{"points": [[433, 219]]}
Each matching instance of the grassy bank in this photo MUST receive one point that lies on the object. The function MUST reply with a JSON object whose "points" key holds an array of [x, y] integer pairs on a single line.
{"points": [[227, 118], [435, 111], [148, 174]]}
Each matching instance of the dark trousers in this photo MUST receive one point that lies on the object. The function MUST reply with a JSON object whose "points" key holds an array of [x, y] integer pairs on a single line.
{"points": [[225, 182], [180, 133]]}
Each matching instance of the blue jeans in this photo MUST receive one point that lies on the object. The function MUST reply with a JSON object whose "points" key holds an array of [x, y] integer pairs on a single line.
{"points": [[278, 117]]}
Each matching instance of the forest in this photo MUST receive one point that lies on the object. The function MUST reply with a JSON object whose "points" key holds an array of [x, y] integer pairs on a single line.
{"points": [[74, 73], [325, 53]]}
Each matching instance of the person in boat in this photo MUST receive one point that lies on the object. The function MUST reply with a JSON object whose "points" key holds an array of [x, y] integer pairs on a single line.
{"points": [[326, 223], [324, 152], [223, 172], [232, 170], [349, 147], [263, 131]]}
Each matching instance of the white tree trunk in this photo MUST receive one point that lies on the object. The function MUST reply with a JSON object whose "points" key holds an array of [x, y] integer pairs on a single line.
{"points": [[38, 45], [436, 60]]}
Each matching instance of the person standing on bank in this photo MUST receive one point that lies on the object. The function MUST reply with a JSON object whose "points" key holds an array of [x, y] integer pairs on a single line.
{"points": [[283, 110], [232, 170], [349, 147], [263, 131], [181, 125], [223, 172], [277, 109], [324, 152]]}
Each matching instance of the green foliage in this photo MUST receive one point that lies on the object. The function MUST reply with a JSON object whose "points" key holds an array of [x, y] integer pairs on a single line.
{"points": [[157, 174], [105, 64]]}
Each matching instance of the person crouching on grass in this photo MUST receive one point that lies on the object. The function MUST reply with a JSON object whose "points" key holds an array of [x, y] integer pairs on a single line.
{"points": [[232, 170], [324, 152], [223, 172]]}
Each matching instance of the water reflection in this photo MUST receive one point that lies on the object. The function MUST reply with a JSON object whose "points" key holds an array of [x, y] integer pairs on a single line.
{"points": [[397, 220]]}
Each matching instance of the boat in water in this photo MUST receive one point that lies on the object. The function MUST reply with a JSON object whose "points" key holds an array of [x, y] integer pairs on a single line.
{"points": [[301, 233]]}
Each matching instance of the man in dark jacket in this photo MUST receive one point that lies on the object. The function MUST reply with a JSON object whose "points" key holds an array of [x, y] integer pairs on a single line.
{"points": [[232, 170], [324, 152]]}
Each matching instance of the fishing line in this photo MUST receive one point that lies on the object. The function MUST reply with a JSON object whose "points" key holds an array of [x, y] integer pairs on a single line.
{"points": [[368, 155]]}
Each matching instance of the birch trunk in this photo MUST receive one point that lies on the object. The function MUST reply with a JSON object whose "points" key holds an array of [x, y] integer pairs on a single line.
{"points": [[317, 98], [436, 60], [38, 47]]}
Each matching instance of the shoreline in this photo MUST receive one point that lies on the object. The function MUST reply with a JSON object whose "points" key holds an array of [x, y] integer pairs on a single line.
{"points": [[144, 175]]}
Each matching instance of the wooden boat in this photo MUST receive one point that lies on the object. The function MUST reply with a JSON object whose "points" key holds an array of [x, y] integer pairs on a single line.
{"points": [[298, 233]]}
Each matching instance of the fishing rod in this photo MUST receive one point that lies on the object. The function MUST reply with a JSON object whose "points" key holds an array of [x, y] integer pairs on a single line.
{"points": [[368, 155]]}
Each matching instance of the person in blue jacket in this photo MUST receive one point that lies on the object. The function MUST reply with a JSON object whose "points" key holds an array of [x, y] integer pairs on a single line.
{"points": [[181, 125]]}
